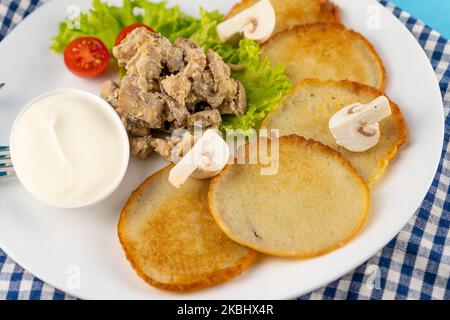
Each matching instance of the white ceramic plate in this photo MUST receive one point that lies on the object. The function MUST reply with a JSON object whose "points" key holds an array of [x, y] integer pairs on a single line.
{"points": [[56, 245]]}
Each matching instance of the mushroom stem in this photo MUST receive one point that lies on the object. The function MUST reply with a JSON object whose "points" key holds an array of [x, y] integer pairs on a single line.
{"points": [[206, 159], [373, 112], [356, 127], [256, 22]]}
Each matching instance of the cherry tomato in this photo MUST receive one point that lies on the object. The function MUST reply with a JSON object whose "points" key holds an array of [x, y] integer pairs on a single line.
{"points": [[87, 57], [123, 34]]}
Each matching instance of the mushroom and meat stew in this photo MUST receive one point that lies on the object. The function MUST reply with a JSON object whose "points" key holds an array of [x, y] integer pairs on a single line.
{"points": [[167, 87]]}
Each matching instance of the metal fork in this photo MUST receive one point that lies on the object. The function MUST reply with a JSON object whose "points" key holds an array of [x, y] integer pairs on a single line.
{"points": [[6, 168]]}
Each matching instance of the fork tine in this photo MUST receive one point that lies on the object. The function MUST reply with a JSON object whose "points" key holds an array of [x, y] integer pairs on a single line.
{"points": [[6, 173], [4, 156], [5, 162], [6, 170], [5, 159], [6, 167], [4, 152]]}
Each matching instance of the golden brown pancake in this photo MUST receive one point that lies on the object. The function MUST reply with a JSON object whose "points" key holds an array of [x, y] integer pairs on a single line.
{"points": [[326, 51], [307, 110], [292, 13], [171, 239], [317, 202]]}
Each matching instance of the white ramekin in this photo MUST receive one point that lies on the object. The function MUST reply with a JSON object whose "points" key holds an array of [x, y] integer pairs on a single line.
{"points": [[124, 144]]}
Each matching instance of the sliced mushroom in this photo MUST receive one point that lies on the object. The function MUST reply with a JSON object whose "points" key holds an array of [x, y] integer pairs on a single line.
{"points": [[206, 159], [356, 127], [256, 22]]}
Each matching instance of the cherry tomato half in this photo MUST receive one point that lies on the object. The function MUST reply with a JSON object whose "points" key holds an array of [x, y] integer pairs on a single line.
{"points": [[123, 34], [86, 57]]}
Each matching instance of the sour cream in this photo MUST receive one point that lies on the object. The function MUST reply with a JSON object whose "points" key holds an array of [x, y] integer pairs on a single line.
{"points": [[69, 149]]}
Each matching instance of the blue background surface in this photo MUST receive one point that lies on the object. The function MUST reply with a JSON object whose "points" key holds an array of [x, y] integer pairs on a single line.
{"points": [[435, 13]]}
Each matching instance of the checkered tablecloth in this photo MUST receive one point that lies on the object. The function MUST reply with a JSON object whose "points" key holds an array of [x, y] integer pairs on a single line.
{"points": [[415, 265]]}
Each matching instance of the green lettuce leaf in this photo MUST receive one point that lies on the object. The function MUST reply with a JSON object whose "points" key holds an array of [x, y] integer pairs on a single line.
{"points": [[102, 21], [170, 22], [265, 84]]}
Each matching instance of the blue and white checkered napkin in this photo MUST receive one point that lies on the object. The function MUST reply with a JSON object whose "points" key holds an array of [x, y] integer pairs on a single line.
{"points": [[415, 265]]}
